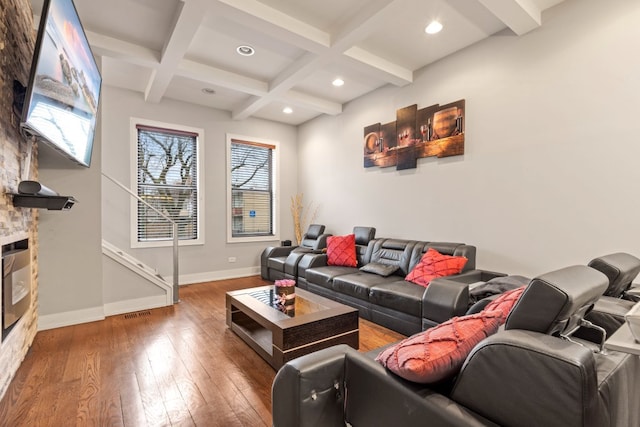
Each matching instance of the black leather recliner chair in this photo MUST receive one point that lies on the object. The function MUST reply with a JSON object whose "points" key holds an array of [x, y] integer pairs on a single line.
{"points": [[273, 258], [532, 373], [621, 269]]}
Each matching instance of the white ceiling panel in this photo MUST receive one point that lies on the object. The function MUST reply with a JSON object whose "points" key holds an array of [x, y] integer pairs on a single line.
{"points": [[124, 75], [215, 48], [188, 90]]}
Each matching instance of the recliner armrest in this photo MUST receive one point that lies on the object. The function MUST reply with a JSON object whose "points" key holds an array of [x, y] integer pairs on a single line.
{"points": [[633, 293], [309, 391], [291, 263], [272, 251], [443, 299], [473, 276]]}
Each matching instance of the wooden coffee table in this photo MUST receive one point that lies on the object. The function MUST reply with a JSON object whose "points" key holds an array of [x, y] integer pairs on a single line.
{"points": [[317, 323]]}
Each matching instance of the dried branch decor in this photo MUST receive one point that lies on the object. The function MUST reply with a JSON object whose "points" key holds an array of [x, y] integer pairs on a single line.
{"points": [[300, 215]]}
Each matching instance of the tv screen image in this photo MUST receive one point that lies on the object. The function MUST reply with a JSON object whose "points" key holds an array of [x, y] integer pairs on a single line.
{"points": [[64, 85]]}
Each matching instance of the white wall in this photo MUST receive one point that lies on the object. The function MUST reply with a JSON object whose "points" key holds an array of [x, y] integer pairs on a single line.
{"points": [[550, 171], [208, 261], [70, 259]]}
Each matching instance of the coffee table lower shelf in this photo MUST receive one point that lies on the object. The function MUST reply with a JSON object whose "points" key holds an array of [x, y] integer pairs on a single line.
{"points": [[278, 338]]}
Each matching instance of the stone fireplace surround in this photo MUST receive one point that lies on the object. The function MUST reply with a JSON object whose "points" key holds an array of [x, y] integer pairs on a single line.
{"points": [[16, 48]]}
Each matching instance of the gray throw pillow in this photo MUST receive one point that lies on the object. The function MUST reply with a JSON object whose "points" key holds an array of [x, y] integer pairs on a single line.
{"points": [[383, 270]]}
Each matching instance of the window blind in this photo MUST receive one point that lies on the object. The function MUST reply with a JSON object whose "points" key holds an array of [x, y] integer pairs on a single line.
{"points": [[167, 180], [251, 188]]}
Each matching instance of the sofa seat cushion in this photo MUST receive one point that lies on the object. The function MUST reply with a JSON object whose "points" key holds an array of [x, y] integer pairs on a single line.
{"points": [[323, 276], [359, 284], [277, 263], [399, 295]]}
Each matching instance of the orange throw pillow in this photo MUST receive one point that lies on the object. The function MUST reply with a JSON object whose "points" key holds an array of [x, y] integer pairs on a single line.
{"points": [[434, 264], [439, 352], [341, 250], [505, 302]]}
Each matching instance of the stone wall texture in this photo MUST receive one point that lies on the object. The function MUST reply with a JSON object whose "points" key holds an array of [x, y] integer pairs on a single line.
{"points": [[17, 40]]}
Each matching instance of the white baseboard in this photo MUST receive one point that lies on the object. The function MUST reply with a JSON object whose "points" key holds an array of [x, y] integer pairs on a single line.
{"points": [[138, 304], [68, 318], [59, 320], [187, 279]]}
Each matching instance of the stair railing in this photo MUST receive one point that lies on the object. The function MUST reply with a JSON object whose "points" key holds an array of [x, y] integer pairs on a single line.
{"points": [[174, 227]]}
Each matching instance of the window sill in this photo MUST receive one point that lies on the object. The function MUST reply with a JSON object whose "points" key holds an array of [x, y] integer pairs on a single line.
{"points": [[250, 239]]}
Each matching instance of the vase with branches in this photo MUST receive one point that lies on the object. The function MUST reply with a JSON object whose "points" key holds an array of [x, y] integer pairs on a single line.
{"points": [[300, 214]]}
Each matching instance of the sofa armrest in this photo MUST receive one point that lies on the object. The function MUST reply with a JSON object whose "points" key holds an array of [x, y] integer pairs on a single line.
{"points": [[311, 261], [309, 390], [291, 263], [443, 299], [633, 293], [269, 252], [473, 276]]}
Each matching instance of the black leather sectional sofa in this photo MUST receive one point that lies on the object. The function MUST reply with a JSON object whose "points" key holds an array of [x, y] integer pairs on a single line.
{"points": [[531, 373], [392, 301]]}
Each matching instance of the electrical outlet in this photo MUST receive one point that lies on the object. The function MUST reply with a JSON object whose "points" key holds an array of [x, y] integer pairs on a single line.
{"points": [[232, 259]]}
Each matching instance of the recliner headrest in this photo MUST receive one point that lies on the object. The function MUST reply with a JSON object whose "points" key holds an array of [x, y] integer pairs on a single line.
{"points": [[620, 268], [555, 302], [364, 235], [314, 231]]}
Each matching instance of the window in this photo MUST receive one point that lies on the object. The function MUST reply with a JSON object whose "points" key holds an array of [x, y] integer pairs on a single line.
{"points": [[167, 169], [251, 191]]}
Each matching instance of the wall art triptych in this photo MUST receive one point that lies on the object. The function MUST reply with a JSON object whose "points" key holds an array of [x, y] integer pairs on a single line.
{"points": [[437, 131]]}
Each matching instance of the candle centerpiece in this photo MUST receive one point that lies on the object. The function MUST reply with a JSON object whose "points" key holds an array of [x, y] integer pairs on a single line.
{"points": [[286, 295]]}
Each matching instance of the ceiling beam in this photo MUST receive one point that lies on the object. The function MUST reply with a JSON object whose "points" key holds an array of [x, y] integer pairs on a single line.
{"points": [[303, 100], [272, 22], [102, 45], [356, 29], [215, 76], [186, 25], [380, 67], [521, 16]]}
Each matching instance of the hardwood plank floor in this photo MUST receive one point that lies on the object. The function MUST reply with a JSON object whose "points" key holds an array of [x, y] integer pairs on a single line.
{"points": [[172, 366]]}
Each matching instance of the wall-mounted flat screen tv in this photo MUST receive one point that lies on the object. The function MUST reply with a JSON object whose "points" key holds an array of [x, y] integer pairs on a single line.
{"points": [[61, 101]]}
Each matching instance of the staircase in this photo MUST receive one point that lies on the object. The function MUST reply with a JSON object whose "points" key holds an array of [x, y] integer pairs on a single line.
{"points": [[138, 267]]}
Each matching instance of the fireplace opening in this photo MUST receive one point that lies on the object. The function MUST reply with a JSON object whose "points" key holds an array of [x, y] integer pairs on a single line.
{"points": [[16, 283]]}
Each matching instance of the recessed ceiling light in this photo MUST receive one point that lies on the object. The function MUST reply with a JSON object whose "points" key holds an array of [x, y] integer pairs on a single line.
{"points": [[433, 28], [208, 91], [338, 82], [245, 50], [287, 110]]}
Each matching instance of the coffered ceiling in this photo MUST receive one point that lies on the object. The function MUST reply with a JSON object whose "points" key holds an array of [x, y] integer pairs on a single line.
{"points": [[176, 48]]}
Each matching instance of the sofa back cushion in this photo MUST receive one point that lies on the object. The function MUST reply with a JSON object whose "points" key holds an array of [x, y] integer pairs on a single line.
{"points": [[445, 248], [313, 237], [620, 268], [555, 302], [393, 252]]}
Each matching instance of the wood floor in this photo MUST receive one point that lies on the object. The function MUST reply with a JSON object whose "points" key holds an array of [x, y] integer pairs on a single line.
{"points": [[172, 366]]}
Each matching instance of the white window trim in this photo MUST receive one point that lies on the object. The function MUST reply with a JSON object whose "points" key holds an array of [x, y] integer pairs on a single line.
{"points": [[276, 191], [134, 183]]}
